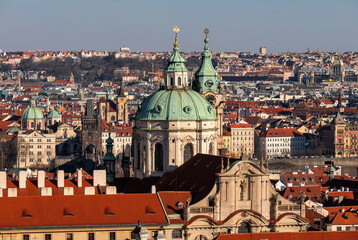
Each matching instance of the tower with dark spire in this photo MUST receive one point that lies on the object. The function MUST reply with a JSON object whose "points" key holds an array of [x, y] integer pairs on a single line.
{"points": [[110, 160]]}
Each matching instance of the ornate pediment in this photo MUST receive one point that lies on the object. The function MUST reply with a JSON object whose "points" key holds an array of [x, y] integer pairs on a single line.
{"points": [[245, 168], [187, 138]]}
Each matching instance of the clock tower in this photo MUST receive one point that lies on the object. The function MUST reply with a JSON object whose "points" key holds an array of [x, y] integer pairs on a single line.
{"points": [[207, 83]]}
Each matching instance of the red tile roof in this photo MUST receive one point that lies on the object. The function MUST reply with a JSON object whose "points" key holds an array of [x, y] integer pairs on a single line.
{"points": [[345, 218], [170, 200], [281, 132], [240, 125], [40, 211]]}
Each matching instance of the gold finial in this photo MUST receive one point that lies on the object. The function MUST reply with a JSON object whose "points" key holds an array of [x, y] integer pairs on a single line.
{"points": [[206, 31], [176, 30]]}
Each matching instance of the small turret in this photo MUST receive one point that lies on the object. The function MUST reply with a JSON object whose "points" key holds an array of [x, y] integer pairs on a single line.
{"points": [[206, 77], [110, 160]]}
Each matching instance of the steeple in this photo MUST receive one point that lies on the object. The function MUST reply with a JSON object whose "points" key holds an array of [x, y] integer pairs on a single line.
{"points": [[110, 160], [206, 78], [176, 74]]}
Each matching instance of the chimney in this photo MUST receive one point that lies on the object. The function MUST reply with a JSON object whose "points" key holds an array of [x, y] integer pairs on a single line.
{"points": [[340, 199], [153, 189], [12, 192], [99, 178], [22, 179], [60, 178], [79, 178], [68, 191], [41, 179], [89, 191], [110, 190], [46, 191], [3, 180]]}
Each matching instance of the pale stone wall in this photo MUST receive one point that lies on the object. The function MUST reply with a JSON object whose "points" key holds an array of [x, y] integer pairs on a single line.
{"points": [[35, 148], [174, 136]]}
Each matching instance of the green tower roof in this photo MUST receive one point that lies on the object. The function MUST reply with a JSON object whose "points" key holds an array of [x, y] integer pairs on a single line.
{"points": [[175, 105], [53, 114], [206, 77]]}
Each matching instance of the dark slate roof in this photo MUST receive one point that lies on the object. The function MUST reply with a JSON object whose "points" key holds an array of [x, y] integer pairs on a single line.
{"points": [[197, 175], [134, 185]]}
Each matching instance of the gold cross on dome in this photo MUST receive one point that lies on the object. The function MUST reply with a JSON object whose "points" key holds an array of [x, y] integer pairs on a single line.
{"points": [[176, 29]]}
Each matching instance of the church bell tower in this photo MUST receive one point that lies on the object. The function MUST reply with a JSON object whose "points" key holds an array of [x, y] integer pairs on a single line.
{"points": [[207, 83]]}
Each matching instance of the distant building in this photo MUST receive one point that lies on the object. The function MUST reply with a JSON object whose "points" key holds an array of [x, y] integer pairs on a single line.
{"points": [[338, 70], [35, 149], [242, 140], [281, 142], [263, 50]]}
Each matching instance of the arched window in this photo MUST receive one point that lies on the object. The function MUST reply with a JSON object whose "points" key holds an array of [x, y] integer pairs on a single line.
{"points": [[33, 125], [201, 237], [179, 81], [244, 227], [39, 126], [188, 152], [158, 157], [113, 118], [172, 82], [211, 149]]}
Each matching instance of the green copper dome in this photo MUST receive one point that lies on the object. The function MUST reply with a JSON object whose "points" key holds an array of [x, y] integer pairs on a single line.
{"points": [[175, 105], [32, 112]]}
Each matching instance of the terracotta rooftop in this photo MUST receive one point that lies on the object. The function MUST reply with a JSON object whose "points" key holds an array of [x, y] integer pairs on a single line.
{"points": [[87, 210]]}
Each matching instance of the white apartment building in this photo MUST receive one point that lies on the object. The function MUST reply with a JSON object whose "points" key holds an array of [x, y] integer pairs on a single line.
{"points": [[35, 148], [242, 139], [281, 142], [122, 140]]}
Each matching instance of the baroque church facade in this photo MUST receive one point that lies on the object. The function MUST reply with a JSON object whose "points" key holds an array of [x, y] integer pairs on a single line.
{"points": [[177, 122]]}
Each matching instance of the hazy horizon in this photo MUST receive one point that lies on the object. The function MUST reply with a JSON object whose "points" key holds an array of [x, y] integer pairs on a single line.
{"points": [[280, 26]]}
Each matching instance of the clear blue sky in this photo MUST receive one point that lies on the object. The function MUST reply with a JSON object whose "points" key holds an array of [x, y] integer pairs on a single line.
{"points": [[146, 25]]}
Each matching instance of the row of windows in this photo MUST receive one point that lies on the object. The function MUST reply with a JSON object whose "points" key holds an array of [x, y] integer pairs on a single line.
{"points": [[33, 160], [242, 133], [38, 153], [38, 140], [285, 139], [32, 146], [348, 228], [284, 144], [242, 138], [69, 236], [284, 150]]}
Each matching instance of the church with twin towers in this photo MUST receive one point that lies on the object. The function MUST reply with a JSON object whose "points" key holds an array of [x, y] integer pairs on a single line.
{"points": [[183, 118]]}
